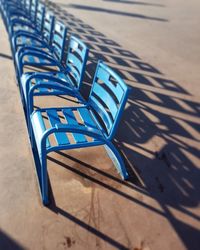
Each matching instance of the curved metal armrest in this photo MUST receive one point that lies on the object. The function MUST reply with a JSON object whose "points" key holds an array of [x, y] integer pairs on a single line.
{"points": [[52, 86], [36, 52], [44, 76], [23, 22], [30, 49], [28, 35], [30, 92], [60, 127], [40, 54], [17, 12]]}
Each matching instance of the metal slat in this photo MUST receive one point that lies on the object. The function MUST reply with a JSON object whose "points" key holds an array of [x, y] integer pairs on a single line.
{"points": [[31, 59], [106, 98], [116, 90], [61, 138], [58, 39], [71, 119], [39, 128], [86, 117], [75, 61], [98, 107], [41, 90], [75, 74]]}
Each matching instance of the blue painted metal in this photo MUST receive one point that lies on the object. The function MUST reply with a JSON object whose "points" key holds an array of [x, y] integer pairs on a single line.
{"points": [[56, 81], [48, 27], [77, 55], [91, 124], [23, 19], [52, 56], [22, 38], [34, 40], [53, 118], [12, 11], [111, 84], [59, 38]]}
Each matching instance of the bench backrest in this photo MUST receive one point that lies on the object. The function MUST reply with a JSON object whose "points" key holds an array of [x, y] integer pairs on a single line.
{"points": [[107, 98], [10, 6], [27, 6], [33, 10], [48, 26], [58, 40], [76, 60], [40, 16], [13, 5]]}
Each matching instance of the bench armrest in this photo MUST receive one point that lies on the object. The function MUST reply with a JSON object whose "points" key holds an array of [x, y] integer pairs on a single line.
{"points": [[52, 85], [40, 54], [22, 22], [30, 49], [44, 76], [26, 34]]}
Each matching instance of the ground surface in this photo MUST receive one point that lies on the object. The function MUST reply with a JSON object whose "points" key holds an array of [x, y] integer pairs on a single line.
{"points": [[154, 46]]}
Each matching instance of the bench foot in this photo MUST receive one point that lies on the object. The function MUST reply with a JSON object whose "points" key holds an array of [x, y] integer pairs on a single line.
{"points": [[117, 160]]}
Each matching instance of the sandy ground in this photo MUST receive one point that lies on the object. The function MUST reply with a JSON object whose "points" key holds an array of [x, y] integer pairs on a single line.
{"points": [[154, 46]]}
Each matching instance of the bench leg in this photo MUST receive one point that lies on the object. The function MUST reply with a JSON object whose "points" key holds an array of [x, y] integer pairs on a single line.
{"points": [[117, 160], [44, 179], [31, 135], [41, 170]]}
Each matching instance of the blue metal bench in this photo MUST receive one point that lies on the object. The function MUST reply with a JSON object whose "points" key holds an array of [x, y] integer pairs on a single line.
{"points": [[14, 9], [99, 120], [7, 7], [52, 56], [31, 37], [22, 19], [34, 40], [57, 83]]}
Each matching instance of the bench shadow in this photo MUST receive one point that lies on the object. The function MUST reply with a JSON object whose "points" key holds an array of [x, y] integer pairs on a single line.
{"points": [[6, 242], [115, 12], [5, 56], [161, 143], [114, 243], [135, 3]]}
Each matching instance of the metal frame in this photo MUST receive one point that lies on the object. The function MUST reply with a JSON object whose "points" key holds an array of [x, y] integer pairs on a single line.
{"points": [[92, 127]]}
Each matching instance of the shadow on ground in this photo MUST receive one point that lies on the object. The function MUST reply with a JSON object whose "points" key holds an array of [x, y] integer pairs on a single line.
{"points": [[8, 243], [5, 56], [135, 3], [161, 143], [114, 12]]}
